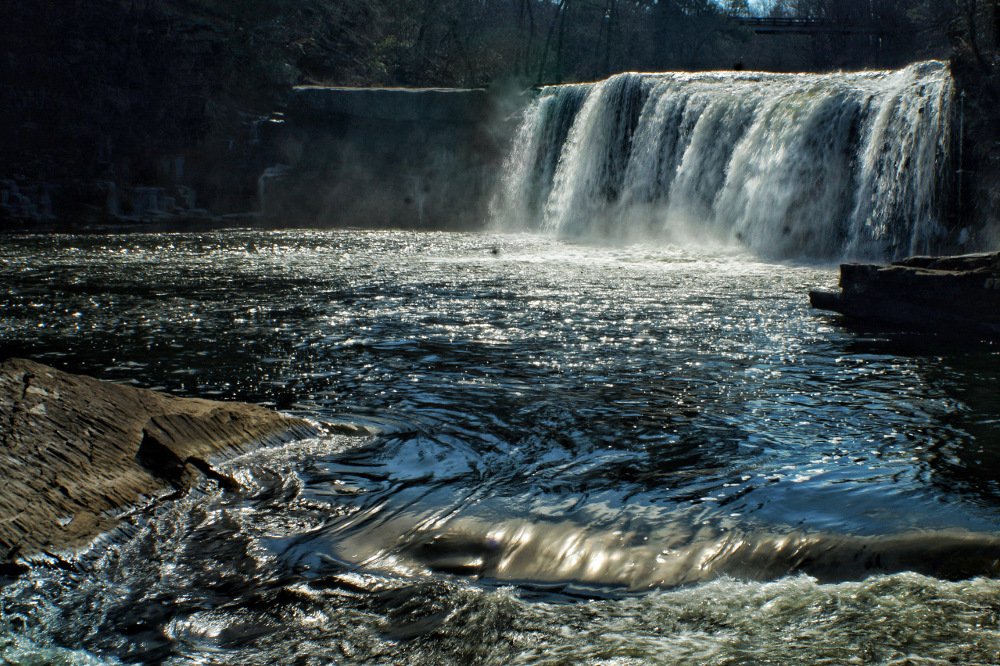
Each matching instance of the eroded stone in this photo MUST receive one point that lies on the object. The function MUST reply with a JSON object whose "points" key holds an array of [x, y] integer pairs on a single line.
{"points": [[74, 450]]}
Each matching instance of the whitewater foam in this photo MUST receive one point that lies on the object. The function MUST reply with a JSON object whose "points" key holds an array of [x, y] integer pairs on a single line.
{"points": [[785, 165]]}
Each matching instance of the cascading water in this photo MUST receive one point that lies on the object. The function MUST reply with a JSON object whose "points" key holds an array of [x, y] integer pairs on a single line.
{"points": [[786, 165]]}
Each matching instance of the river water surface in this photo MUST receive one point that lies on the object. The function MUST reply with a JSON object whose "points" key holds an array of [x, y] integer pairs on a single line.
{"points": [[535, 451]]}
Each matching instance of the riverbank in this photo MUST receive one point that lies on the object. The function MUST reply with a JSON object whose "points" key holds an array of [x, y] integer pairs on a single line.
{"points": [[76, 451]]}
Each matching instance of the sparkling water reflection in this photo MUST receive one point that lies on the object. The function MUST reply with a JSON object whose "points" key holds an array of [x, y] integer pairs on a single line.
{"points": [[571, 419]]}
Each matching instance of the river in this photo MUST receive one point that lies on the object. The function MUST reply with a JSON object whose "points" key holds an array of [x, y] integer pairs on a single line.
{"points": [[536, 450]]}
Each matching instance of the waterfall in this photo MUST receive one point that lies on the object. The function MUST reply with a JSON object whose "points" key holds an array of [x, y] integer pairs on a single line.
{"points": [[786, 165]]}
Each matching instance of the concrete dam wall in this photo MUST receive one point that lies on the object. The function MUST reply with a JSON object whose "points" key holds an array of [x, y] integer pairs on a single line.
{"points": [[385, 157]]}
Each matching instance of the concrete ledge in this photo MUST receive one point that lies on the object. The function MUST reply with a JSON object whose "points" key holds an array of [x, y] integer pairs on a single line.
{"points": [[447, 105], [74, 449]]}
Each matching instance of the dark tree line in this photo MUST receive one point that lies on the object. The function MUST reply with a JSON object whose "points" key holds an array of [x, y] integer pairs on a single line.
{"points": [[475, 42], [905, 30]]}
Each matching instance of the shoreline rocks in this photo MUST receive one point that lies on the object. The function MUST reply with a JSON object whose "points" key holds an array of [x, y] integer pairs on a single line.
{"points": [[956, 295], [75, 450]]}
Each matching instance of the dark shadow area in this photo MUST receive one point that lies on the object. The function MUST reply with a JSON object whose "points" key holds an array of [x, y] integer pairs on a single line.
{"points": [[136, 114]]}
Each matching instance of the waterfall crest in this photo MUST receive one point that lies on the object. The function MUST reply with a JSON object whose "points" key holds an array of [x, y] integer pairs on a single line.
{"points": [[785, 165]]}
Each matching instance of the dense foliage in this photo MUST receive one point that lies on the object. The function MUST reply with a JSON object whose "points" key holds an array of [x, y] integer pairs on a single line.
{"points": [[475, 42]]}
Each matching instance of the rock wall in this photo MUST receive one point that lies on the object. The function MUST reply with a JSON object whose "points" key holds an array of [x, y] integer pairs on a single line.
{"points": [[957, 296], [975, 64], [99, 97], [103, 99], [74, 450], [980, 168]]}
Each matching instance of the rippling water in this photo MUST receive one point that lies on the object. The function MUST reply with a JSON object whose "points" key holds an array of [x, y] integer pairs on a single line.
{"points": [[576, 454]]}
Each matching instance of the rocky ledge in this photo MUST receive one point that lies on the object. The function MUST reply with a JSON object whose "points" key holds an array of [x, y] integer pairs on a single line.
{"points": [[957, 295], [75, 451]]}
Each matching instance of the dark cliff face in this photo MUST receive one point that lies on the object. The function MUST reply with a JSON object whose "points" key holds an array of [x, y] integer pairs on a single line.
{"points": [[104, 95], [100, 91], [424, 158], [139, 110], [979, 203], [975, 64]]}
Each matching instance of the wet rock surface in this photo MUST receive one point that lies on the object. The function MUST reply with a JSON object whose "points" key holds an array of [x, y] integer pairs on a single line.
{"points": [[75, 450], [957, 295]]}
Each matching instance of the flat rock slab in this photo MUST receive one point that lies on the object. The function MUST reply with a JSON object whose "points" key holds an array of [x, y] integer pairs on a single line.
{"points": [[75, 450], [957, 295]]}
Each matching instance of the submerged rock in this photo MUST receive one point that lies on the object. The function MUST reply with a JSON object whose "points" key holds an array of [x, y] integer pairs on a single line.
{"points": [[74, 450], [955, 295], [565, 552]]}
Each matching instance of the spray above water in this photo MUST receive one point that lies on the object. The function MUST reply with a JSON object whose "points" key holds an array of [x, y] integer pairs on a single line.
{"points": [[785, 165]]}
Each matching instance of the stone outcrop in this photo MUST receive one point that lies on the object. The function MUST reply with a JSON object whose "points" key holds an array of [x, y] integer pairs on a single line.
{"points": [[977, 143], [957, 295], [75, 450]]}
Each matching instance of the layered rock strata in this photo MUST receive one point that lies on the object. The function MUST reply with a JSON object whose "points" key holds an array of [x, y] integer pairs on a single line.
{"points": [[957, 295], [75, 450]]}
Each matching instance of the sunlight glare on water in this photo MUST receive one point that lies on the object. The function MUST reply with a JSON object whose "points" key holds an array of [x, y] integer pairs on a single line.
{"points": [[576, 454]]}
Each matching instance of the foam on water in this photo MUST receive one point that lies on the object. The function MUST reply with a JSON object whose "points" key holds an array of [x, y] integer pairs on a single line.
{"points": [[221, 577]]}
